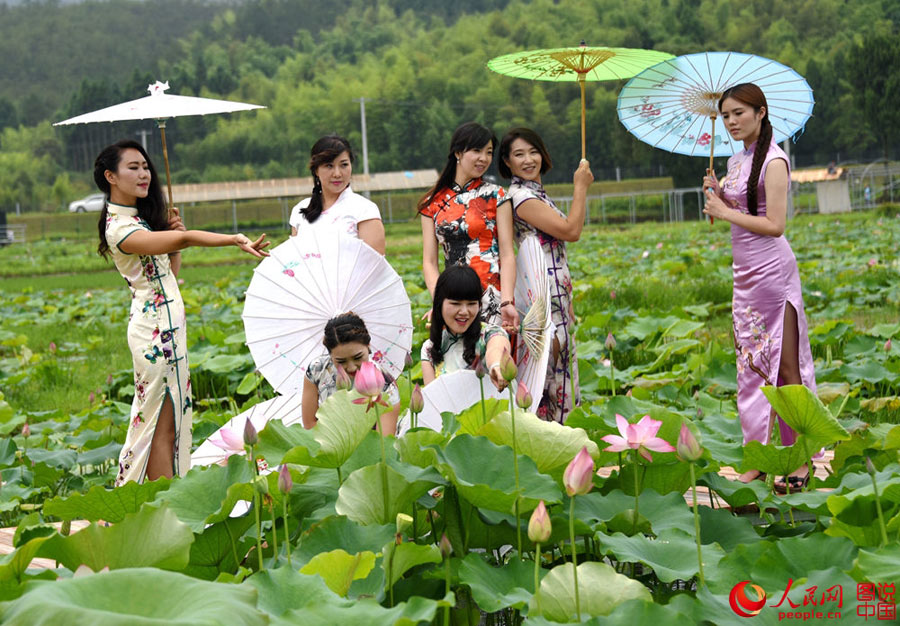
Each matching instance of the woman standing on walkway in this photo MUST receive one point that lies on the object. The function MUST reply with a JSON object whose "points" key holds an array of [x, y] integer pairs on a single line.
{"points": [[333, 205], [470, 220], [524, 158], [770, 332], [145, 243]]}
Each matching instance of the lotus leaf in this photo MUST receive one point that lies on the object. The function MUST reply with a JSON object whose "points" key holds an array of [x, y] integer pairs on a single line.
{"points": [[600, 587]]}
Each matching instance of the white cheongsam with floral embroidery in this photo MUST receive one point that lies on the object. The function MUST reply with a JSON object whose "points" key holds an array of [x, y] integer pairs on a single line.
{"points": [[158, 343]]}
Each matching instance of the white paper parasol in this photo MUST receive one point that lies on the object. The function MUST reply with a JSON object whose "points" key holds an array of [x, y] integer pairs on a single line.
{"points": [[454, 392], [533, 305], [160, 106], [229, 440], [305, 282]]}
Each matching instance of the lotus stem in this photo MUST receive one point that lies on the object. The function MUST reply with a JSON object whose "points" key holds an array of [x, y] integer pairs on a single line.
{"points": [[637, 493], [256, 505], [574, 557], [390, 574], [287, 535], [537, 577], [415, 516], [446, 589], [884, 537], [385, 490], [274, 534], [512, 413], [340, 478], [612, 373], [697, 525], [237, 561], [483, 409]]}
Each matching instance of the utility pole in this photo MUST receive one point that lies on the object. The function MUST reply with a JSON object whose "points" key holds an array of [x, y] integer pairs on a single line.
{"points": [[143, 134], [365, 142]]}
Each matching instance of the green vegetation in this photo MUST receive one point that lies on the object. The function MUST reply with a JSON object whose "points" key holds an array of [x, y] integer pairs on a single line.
{"points": [[663, 291]]}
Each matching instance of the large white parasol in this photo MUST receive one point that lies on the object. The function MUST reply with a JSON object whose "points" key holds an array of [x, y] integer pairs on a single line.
{"points": [[533, 305], [305, 282], [454, 392], [229, 439], [160, 106]]}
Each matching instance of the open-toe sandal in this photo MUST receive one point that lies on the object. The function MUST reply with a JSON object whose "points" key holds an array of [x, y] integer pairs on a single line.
{"points": [[793, 484]]}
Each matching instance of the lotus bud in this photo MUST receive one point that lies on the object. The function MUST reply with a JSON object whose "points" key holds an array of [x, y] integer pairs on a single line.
{"points": [[26, 430], [261, 484], [688, 448], [610, 341], [887, 345], [408, 362], [109, 380], [91, 397], [369, 381], [612, 294], [579, 475], [342, 380], [404, 521], [416, 400], [870, 467], [539, 527], [523, 398], [52, 346], [65, 528], [478, 366], [250, 435], [285, 481], [444, 545], [508, 368]]}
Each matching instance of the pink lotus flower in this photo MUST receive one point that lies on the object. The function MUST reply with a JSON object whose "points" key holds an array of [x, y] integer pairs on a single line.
{"points": [[508, 367], [416, 400], [250, 434], [369, 382], [612, 294], [610, 342], [523, 398], [641, 437], [887, 345], [229, 441], [873, 262], [688, 448], [539, 527], [52, 346], [579, 475], [26, 430], [285, 482], [342, 380]]}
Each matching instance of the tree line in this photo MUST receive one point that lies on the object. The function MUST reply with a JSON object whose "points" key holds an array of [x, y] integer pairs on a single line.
{"points": [[421, 67]]}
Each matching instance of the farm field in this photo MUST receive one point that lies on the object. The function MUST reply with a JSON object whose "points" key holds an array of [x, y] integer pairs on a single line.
{"points": [[663, 291]]}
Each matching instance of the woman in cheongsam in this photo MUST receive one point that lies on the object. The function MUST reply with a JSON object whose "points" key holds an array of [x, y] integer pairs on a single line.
{"points": [[524, 158], [469, 218]]}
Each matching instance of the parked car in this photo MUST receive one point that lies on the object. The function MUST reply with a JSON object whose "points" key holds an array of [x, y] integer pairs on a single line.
{"points": [[93, 202]]}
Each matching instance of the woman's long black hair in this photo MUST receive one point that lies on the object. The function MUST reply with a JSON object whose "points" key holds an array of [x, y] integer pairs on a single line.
{"points": [[151, 209], [325, 150], [470, 135], [753, 96], [457, 282]]}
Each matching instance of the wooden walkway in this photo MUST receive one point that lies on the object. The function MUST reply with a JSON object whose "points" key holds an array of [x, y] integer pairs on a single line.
{"points": [[703, 497]]}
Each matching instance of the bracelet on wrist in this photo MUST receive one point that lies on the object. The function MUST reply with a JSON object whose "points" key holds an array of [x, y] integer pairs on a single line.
{"points": [[505, 302]]}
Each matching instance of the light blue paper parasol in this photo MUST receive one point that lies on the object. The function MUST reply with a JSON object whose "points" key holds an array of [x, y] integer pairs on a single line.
{"points": [[673, 105]]}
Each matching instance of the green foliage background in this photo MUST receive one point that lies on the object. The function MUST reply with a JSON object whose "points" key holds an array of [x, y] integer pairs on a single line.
{"points": [[421, 63]]}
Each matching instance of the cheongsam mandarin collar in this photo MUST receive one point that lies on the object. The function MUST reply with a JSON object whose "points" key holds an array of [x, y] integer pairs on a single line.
{"points": [[750, 148], [530, 184], [120, 209], [472, 184]]}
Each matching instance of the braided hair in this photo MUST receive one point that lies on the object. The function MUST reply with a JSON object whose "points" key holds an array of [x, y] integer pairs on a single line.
{"points": [[456, 282], [753, 96], [345, 328], [325, 150]]}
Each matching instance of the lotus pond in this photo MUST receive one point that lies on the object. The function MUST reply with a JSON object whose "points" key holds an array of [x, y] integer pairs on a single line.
{"points": [[356, 535]]}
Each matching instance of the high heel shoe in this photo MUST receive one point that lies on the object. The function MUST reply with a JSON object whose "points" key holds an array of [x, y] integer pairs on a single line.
{"points": [[793, 484]]}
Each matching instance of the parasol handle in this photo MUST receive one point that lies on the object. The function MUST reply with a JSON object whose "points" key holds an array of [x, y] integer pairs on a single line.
{"points": [[162, 132], [583, 150], [712, 151]]}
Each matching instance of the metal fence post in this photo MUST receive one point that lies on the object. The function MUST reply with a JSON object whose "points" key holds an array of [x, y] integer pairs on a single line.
{"points": [[234, 215]]}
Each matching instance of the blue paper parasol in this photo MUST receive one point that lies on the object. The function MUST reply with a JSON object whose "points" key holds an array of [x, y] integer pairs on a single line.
{"points": [[673, 105]]}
